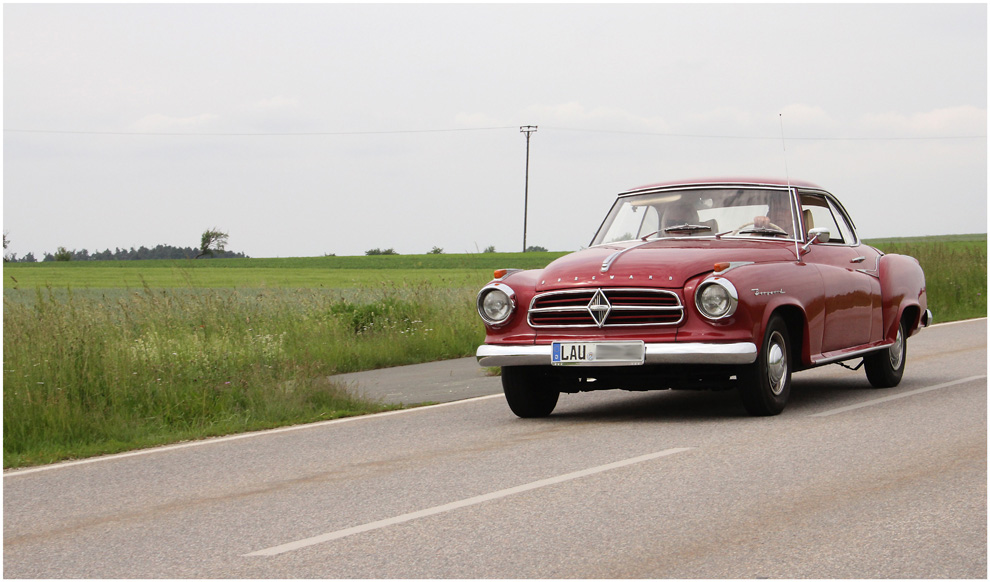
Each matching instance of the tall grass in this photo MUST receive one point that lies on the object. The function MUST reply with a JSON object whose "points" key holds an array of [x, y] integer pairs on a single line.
{"points": [[90, 372]]}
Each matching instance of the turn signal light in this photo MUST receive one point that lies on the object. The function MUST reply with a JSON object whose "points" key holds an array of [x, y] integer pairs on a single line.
{"points": [[719, 267], [499, 273]]}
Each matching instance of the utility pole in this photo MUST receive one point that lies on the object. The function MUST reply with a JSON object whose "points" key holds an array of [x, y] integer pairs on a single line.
{"points": [[527, 129]]}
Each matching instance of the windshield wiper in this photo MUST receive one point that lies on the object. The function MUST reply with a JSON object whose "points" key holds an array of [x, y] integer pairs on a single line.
{"points": [[687, 228], [763, 230]]}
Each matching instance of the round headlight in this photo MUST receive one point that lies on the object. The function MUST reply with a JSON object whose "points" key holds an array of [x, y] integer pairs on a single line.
{"points": [[716, 299], [495, 305]]}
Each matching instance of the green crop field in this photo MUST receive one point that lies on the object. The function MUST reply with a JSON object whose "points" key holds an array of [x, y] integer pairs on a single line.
{"points": [[101, 357], [325, 272]]}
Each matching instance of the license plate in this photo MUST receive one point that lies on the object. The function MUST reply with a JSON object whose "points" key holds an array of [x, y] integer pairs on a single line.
{"points": [[631, 353]]}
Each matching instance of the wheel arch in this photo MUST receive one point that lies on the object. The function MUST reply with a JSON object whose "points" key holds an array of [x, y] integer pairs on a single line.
{"points": [[797, 330], [911, 316]]}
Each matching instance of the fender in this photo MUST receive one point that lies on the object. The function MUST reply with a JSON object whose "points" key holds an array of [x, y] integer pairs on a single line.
{"points": [[516, 330], [801, 297], [902, 285]]}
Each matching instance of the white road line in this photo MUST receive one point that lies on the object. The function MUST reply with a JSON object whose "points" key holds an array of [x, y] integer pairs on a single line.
{"points": [[273, 551], [958, 321], [235, 437], [897, 396]]}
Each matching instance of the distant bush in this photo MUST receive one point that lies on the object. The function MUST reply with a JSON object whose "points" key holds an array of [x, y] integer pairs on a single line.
{"points": [[535, 249], [62, 254], [490, 249], [386, 314], [377, 251], [436, 251]]}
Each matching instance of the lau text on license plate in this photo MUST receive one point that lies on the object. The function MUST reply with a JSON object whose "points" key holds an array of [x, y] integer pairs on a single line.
{"points": [[631, 353]]}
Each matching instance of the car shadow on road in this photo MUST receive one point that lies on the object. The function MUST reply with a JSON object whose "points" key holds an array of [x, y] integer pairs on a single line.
{"points": [[808, 396]]}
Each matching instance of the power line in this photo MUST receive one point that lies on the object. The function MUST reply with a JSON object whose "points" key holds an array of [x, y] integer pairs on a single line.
{"points": [[250, 134], [467, 129], [756, 137]]}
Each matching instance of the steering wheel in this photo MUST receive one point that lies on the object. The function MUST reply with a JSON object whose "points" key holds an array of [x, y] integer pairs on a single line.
{"points": [[769, 225]]}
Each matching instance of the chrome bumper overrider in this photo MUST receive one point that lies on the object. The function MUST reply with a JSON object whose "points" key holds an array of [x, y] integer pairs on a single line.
{"points": [[667, 353]]}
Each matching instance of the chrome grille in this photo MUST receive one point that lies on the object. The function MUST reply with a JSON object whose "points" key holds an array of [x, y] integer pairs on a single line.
{"points": [[605, 308]]}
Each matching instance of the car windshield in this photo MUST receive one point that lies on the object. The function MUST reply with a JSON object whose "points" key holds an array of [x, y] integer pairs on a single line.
{"points": [[743, 212]]}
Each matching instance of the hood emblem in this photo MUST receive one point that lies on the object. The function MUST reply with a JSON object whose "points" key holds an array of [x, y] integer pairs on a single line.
{"points": [[599, 308]]}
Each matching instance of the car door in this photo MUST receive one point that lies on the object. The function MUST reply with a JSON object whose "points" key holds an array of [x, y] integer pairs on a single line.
{"points": [[853, 306]]}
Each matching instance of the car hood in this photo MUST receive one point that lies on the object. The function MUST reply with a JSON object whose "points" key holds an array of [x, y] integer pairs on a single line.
{"points": [[661, 263]]}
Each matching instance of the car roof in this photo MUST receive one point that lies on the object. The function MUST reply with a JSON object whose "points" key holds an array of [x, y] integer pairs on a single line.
{"points": [[727, 182]]}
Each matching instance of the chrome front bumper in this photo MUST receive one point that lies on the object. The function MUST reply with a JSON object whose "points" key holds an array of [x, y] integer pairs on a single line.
{"points": [[667, 353]]}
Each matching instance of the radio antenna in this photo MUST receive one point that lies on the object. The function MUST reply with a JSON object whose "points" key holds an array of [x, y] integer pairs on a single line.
{"points": [[790, 192], [783, 144]]}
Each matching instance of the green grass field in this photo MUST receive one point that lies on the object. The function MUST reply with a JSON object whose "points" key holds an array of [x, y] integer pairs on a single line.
{"points": [[102, 357], [327, 272]]}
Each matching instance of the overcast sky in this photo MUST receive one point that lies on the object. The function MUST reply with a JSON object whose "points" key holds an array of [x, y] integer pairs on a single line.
{"points": [[310, 129]]}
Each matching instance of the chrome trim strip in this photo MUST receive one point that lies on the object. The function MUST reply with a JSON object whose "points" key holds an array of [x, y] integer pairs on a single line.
{"points": [[626, 308], [665, 353], [875, 271], [507, 273], [755, 185], [613, 308], [851, 355], [732, 265], [701, 353], [607, 263]]}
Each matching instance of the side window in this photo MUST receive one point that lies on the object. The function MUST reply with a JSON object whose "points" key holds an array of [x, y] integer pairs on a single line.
{"points": [[818, 213], [848, 235]]}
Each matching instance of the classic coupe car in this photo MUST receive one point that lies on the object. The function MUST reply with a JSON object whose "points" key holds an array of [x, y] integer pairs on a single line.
{"points": [[704, 284]]}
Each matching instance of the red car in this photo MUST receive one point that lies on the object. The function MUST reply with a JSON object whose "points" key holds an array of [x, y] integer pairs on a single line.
{"points": [[699, 285]]}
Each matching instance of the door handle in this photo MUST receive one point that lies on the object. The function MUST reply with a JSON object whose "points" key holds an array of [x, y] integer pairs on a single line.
{"points": [[858, 260]]}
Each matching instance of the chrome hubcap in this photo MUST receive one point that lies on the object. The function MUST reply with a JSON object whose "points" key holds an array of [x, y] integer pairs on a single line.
{"points": [[776, 363], [896, 352]]}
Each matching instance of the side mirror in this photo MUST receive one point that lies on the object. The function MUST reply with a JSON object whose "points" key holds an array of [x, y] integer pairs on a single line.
{"points": [[821, 235]]}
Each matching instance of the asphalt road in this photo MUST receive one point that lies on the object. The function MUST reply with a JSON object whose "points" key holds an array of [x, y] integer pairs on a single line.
{"points": [[434, 382], [849, 482]]}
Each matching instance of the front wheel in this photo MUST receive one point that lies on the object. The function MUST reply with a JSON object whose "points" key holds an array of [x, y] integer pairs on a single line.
{"points": [[528, 392], [885, 368], [766, 383]]}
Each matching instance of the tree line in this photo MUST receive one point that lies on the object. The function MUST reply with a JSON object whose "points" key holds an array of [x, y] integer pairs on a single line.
{"points": [[212, 245], [140, 254], [439, 251]]}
